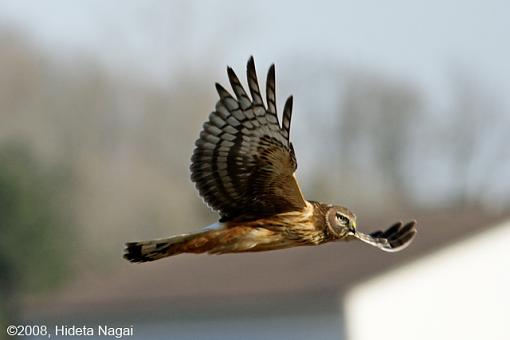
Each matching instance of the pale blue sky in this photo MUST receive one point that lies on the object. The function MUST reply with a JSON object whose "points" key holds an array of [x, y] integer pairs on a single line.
{"points": [[421, 41], [424, 43]]}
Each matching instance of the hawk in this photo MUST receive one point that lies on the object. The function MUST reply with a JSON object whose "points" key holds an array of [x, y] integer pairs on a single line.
{"points": [[243, 166]]}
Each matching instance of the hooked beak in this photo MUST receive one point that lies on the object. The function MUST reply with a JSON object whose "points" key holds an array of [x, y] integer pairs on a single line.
{"points": [[352, 228]]}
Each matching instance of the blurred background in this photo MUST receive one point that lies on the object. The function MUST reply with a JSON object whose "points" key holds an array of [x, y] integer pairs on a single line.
{"points": [[401, 111]]}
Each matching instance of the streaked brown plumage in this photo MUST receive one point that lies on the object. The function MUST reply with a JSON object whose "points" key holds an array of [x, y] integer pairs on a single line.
{"points": [[243, 166]]}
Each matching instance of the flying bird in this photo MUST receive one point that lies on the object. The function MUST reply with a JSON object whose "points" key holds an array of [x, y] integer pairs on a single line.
{"points": [[244, 167]]}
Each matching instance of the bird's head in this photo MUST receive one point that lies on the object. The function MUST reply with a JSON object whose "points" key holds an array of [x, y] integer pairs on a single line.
{"points": [[341, 221]]}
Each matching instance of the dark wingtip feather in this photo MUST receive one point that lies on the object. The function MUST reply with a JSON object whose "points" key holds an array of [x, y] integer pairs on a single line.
{"points": [[250, 68], [289, 103], [223, 93], [133, 253], [392, 230], [271, 72], [253, 83], [232, 77], [270, 81], [251, 62], [239, 91], [271, 92], [287, 116], [230, 72], [403, 236], [395, 238]]}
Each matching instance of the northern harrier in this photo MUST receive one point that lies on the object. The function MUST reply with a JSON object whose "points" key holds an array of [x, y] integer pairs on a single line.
{"points": [[243, 166]]}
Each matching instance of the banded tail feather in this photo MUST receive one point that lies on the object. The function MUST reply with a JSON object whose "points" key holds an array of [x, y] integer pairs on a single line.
{"points": [[145, 251], [216, 240]]}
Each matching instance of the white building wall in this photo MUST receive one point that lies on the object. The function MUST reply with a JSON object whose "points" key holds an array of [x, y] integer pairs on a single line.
{"points": [[461, 292]]}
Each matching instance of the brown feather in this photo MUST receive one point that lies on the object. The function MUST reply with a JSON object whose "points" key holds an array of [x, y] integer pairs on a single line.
{"points": [[243, 163]]}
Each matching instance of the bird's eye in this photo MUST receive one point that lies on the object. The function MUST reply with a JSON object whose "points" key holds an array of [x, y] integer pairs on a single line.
{"points": [[342, 219]]}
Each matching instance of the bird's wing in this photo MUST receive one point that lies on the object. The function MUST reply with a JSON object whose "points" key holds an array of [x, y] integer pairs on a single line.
{"points": [[393, 239], [243, 164]]}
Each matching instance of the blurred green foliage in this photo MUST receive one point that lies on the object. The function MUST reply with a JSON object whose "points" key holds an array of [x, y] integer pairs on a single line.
{"points": [[34, 242]]}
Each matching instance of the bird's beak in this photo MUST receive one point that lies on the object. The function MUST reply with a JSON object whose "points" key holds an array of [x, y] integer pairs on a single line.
{"points": [[352, 228]]}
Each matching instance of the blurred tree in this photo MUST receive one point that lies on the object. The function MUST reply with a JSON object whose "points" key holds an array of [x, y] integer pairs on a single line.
{"points": [[475, 117], [370, 135], [376, 118], [33, 241], [392, 149]]}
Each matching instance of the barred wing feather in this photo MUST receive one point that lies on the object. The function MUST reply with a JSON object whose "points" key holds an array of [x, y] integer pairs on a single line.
{"points": [[243, 164]]}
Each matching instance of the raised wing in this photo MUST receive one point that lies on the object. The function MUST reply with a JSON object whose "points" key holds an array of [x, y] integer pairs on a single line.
{"points": [[243, 164], [393, 239]]}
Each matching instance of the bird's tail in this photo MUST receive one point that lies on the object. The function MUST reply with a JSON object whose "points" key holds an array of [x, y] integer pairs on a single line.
{"points": [[144, 251], [216, 239]]}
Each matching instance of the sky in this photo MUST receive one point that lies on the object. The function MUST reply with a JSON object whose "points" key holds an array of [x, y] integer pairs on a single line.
{"points": [[425, 44], [416, 40]]}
